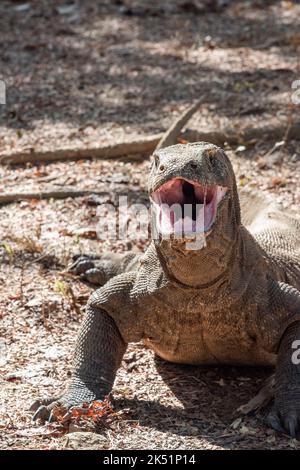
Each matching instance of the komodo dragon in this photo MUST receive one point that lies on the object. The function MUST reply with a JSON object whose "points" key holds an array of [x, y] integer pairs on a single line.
{"points": [[233, 300]]}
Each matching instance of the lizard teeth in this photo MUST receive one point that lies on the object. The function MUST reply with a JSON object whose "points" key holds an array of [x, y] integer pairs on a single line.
{"points": [[184, 207]]}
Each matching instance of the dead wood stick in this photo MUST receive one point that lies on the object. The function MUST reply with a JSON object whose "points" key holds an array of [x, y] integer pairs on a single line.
{"points": [[232, 136], [146, 145], [141, 145], [7, 198], [169, 137], [172, 134]]}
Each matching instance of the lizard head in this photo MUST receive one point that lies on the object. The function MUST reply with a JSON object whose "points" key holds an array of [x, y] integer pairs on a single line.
{"points": [[193, 196]]}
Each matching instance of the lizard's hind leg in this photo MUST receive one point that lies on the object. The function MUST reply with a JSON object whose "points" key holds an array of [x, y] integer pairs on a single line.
{"points": [[99, 269]]}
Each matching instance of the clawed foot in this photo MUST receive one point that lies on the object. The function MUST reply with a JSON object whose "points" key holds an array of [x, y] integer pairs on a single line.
{"points": [[51, 410], [90, 269], [79, 393], [287, 421], [43, 408]]}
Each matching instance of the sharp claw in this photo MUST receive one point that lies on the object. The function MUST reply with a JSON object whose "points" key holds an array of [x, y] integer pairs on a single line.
{"points": [[35, 405], [51, 418], [71, 267], [78, 260], [67, 415], [43, 401], [291, 424], [94, 276], [41, 413], [77, 256], [83, 266], [274, 422]]}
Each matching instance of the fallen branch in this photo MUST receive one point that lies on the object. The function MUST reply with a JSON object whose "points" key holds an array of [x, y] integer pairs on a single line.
{"points": [[143, 145], [146, 145], [7, 198], [168, 138], [232, 136], [172, 134]]}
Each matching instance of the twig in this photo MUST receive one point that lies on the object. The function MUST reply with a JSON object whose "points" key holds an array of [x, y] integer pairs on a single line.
{"points": [[23, 267], [280, 145], [288, 129]]}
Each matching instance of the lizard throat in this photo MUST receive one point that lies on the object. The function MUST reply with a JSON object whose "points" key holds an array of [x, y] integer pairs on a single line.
{"points": [[185, 207]]}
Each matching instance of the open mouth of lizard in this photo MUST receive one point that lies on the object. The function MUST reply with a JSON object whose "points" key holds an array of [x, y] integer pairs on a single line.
{"points": [[186, 207]]}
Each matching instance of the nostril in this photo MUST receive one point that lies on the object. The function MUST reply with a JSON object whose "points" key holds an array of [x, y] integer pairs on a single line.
{"points": [[194, 166], [162, 167], [156, 160]]}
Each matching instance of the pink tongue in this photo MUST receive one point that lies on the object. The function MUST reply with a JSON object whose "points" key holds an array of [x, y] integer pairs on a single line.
{"points": [[171, 193]]}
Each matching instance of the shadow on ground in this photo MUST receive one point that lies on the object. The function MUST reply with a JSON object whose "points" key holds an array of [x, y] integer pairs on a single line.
{"points": [[208, 397], [104, 64]]}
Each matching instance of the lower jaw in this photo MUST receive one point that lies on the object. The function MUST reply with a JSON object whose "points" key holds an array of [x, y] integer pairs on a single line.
{"points": [[184, 236], [186, 233]]}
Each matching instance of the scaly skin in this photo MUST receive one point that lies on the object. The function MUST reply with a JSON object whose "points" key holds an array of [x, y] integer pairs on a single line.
{"points": [[243, 308]]}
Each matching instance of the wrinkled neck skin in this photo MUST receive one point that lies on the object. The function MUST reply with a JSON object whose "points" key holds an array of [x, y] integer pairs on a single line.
{"points": [[206, 266]]}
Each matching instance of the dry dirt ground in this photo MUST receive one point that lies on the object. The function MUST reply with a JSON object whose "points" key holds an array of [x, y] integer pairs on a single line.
{"points": [[91, 72]]}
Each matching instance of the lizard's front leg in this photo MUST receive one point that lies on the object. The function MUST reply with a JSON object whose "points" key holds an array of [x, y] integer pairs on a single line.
{"points": [[285, 415], [98, 355], [284, 312]]}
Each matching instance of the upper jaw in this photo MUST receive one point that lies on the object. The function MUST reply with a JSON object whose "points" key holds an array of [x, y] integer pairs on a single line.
{"points": [[185, 207]]}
